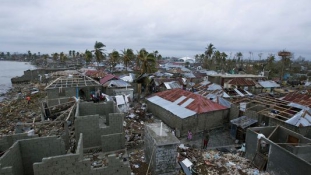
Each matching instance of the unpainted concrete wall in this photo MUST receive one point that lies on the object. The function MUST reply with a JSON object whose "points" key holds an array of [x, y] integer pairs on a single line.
{"points": [[89, 108], [11, 162], [33, 150], [7, 141], [234, 112], [75, 164], [282, 162], [196, 123], [92, 131], [112, 142]]}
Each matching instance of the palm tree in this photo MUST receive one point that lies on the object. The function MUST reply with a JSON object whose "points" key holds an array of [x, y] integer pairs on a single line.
{"points": [[29, 54], [127, 55], [239, 55], [88, 56], [223, 56], [147, 61], [209, 50], [55, 56], [73, 54], [99, 51], [217, 56], [113, 59]]}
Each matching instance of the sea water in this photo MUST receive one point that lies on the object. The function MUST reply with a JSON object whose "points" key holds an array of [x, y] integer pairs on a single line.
{"points": [[10, 69]]}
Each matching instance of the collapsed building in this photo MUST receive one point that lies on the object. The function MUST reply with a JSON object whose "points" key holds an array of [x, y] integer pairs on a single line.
{"points": [[102, 126], [183, 111]]}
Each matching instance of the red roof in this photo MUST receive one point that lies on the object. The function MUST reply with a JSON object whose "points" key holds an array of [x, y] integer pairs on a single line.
{"points": [[199, 104], [242, 82], [95, 73], [297, 97], [107, 78]]}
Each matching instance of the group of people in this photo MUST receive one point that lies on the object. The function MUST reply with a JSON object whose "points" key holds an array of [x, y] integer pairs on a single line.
{"points": [[206, 138]]}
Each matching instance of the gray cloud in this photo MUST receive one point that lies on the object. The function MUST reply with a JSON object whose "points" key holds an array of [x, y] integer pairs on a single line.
{"points": [[174, 28]]}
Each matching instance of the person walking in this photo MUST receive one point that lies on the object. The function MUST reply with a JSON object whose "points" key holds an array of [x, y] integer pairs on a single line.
{"points": [[205, 141]]}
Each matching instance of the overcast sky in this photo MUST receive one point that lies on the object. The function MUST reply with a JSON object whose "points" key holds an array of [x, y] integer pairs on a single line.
{"points": [[173, 27]]}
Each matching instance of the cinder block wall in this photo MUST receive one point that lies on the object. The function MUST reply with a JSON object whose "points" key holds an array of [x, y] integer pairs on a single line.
{"points": [[11, 162], [75, 164], [93, 131], [234, 112], [7, 141], [54, 93], [196, 123], [33, 150], [90, 108], [283, 162], [112, 142]]}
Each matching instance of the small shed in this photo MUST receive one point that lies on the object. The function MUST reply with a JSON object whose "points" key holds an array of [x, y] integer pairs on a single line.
{"points": [[239, 126]]}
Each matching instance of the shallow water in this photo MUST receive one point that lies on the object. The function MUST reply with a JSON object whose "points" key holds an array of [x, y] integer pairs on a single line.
{"points": [[10, 69]]}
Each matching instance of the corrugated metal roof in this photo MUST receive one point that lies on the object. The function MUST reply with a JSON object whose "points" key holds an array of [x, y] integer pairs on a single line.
{"points": [[268, 84], [303, 99], [243, 121], [197, 103], [172, 107], [302, 118], [117, 83], [241, 82], [107, 78]]}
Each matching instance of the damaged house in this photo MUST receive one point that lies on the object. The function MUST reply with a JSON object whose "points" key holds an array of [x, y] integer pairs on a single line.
{"points": [[278, 150], [184, 111]]}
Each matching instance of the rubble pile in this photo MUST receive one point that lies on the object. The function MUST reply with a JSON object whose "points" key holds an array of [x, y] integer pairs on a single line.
{"points": [[138, 163], [134, 125], [214, 162], [14, 108], [99, 159]]}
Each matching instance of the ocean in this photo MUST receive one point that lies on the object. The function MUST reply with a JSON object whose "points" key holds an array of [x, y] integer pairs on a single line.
{"points": [[10, 69]]}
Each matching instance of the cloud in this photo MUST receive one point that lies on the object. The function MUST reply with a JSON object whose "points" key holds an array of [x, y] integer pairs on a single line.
{"points": [[174, 28]]}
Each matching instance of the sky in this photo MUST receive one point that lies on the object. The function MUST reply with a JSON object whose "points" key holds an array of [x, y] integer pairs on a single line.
{"points": [[172, 27]]}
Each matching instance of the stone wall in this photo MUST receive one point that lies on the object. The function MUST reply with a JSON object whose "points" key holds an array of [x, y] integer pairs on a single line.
{"points": [[112, 142], [161, 152], [234, 112]]}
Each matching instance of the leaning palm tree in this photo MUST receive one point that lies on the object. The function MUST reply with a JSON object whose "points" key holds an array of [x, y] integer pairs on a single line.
{"points": [[147, 61], [99, 52], [127, 55]]}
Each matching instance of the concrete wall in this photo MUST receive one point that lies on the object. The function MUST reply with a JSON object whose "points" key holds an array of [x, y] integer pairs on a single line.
{"points": [[96, 120], [196, 123], [75, 164], [24, 153], [11, 162], [112, 142], [282, 162], [234, 112], [7, 141], [33, 150], [102, 109]]}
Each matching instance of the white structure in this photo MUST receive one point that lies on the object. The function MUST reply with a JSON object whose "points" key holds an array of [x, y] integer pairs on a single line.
{"points": [[187, 59]]}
